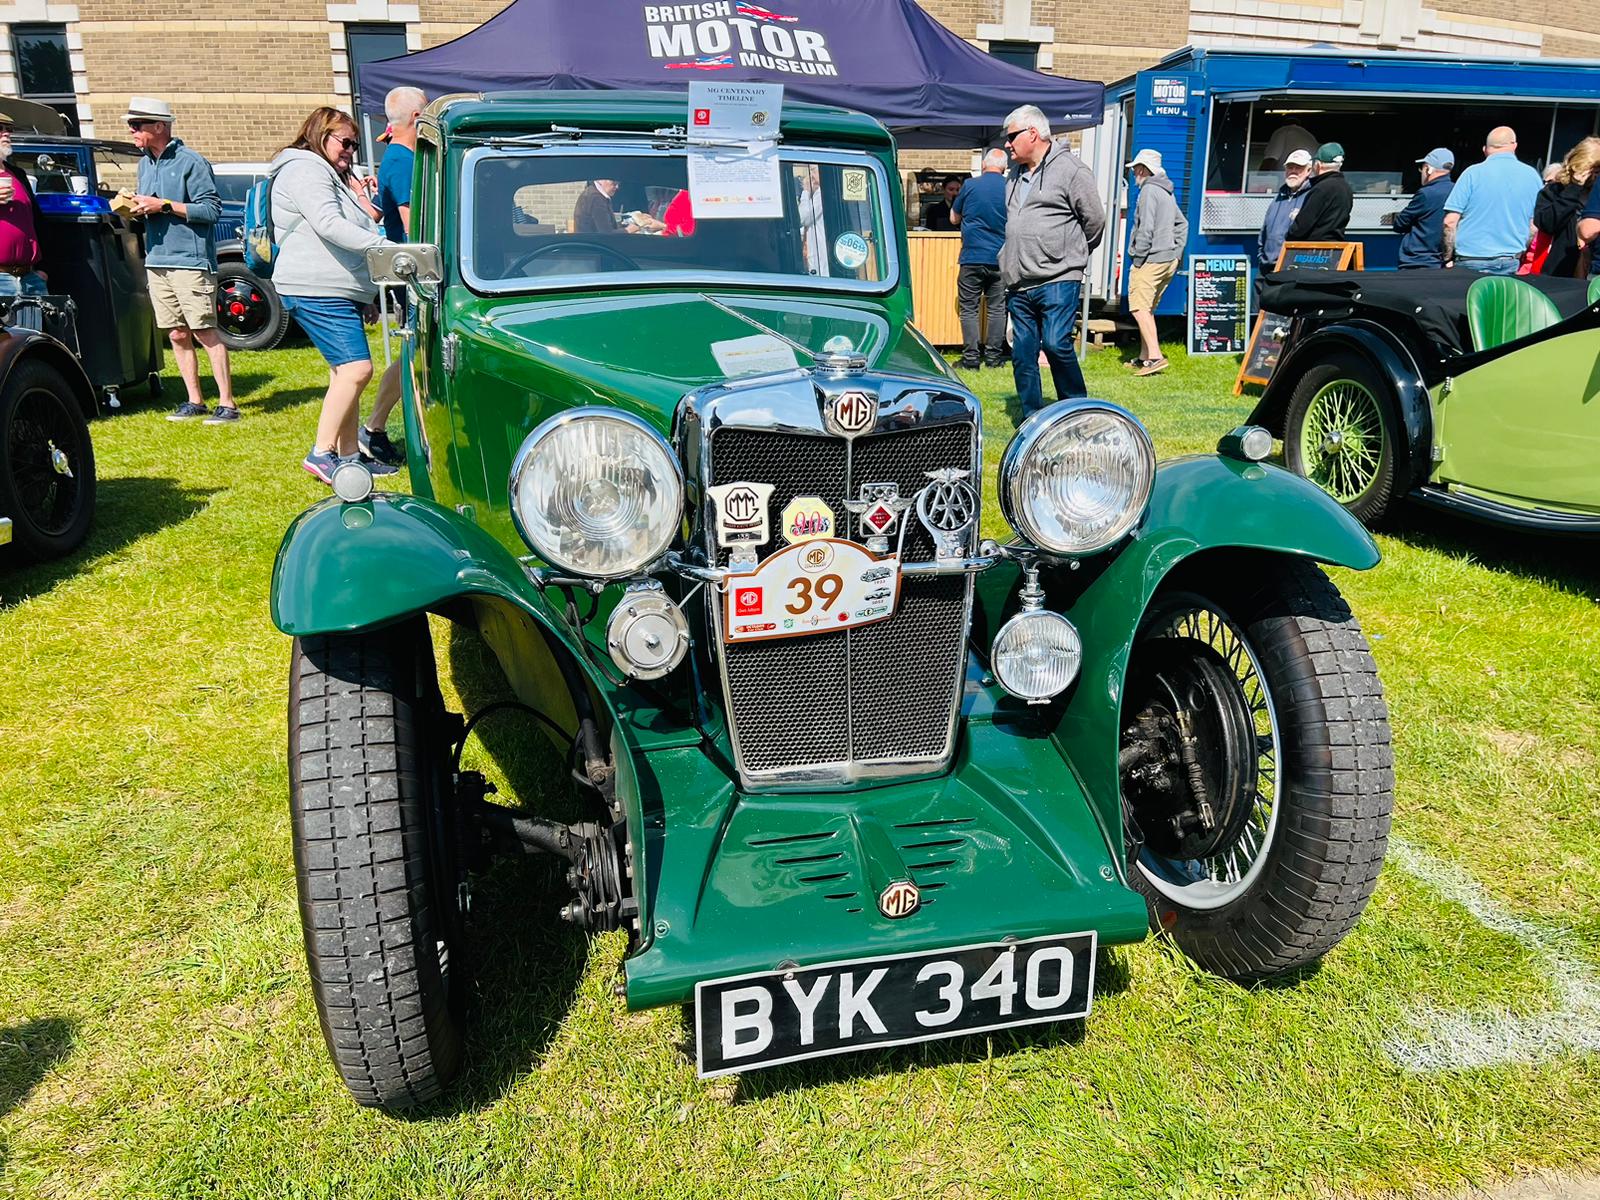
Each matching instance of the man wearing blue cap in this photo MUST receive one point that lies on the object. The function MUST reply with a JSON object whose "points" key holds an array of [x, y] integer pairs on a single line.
{"points": [[1420, 224]]}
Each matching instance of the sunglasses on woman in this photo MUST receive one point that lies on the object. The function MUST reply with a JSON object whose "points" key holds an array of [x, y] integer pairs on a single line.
{"points": [[349, 144]]}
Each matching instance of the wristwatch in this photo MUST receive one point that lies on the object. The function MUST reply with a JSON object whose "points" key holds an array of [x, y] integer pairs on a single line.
{"points": [[166, 206]]}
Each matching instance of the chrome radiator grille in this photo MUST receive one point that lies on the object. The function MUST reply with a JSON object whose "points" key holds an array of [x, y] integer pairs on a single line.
{"points": [[884, 693]]}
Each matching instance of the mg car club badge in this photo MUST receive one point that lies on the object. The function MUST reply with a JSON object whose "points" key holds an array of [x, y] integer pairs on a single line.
{"points": [[877, 512], [899, 899], [853, 412], [805, 518], [741, 513]]}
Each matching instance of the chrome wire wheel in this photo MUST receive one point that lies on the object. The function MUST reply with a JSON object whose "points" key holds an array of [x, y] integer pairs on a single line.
{"points": [[1341, 440], [1201, 755]]}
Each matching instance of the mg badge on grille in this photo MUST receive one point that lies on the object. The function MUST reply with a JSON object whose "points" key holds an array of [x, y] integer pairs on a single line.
{"points": [[741, 513], [948, 509], [876, 512], [899, 899], [806, 517], [852, 412]]}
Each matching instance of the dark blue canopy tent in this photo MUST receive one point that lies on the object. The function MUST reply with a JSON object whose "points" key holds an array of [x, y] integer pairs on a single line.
{"points": [[887, 58]]}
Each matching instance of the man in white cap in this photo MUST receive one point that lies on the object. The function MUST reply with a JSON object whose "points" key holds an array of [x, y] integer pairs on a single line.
{"points": [[178, 200], [1159, 232], [1420, 224], [1282, 211]]}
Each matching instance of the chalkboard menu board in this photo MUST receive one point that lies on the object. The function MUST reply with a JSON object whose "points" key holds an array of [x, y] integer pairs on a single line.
{"points": [[1219, 303], [1266, 345], [1266, 339]]}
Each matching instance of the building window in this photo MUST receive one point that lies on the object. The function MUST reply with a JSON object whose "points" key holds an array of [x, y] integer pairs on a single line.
{"points": [[1018, 54], [44, 69], [367, 44]]}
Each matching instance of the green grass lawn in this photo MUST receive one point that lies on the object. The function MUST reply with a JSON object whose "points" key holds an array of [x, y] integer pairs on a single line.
{"points": [[158, 1038]]}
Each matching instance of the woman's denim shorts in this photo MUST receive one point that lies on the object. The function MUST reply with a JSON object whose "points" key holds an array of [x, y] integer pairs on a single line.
{"points": [[334, 327]]}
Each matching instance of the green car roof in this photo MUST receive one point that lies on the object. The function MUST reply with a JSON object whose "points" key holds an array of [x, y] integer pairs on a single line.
{"points": [[530, 112]]}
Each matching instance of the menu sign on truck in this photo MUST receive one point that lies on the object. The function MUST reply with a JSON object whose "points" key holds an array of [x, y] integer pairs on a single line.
{"points": [[1219, 303]]}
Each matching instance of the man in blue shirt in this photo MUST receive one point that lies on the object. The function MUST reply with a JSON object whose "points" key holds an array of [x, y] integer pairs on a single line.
{"points": [[402, 106], [1589, 229], [178, 200], [1489, 214], [1420, 224], [979, 210]]}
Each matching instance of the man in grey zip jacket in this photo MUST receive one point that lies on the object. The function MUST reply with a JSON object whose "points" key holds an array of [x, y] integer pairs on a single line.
{"points": [[1054, 218]]}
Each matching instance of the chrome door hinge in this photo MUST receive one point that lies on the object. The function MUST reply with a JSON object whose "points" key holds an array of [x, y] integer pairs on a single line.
{"points": [[447, 352], [1449, 384], [1436, 453]]}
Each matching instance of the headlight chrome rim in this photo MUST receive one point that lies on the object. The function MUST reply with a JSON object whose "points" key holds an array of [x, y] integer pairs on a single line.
{"points": [[1030, 434], [1032, 616], [672, 481]]}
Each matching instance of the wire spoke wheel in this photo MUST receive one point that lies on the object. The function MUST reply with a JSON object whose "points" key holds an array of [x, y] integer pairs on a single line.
{"points": [[1205, 820], [1341, 440], [40, 445]]}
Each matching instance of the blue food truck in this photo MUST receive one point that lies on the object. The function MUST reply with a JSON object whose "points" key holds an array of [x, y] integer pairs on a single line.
{"points": [[1223, 120]]}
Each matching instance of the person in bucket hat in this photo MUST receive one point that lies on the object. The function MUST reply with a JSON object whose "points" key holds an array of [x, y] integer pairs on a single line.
{"points": [[1159, 232]]}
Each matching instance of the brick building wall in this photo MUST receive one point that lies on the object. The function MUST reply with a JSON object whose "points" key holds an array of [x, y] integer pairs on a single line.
{"points": [[241, 87]]}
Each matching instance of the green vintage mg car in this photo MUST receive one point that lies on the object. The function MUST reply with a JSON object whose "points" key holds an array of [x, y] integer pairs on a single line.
{"points": [[852, 775]]}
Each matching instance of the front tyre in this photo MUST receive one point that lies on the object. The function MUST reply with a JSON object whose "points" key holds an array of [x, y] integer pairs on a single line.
{"points": [[1257, 772], [369, 788], [47, 479], [250, 313], [1339, 433]]}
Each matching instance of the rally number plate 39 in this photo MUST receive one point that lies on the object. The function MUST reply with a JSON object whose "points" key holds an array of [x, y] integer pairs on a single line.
{"points": [[753, 1021], [812, 587]]}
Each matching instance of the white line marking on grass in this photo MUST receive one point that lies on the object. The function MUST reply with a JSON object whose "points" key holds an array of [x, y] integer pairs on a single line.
{"points": [[1459, 1040]]}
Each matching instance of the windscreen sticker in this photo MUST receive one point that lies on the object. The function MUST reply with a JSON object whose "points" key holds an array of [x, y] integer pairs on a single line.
{"points": [[851, 250], [854, 183]]}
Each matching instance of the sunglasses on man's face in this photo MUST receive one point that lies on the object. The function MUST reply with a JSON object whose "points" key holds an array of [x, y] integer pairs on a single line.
{"points": [[136, 125], [1014, 135]]}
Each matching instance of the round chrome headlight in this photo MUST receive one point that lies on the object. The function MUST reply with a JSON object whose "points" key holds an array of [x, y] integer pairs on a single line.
{"points": [[1036, 655], [597, 492], [1077, 476]]}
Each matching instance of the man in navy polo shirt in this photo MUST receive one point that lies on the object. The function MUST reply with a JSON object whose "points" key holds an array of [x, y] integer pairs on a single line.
{"points": [[1589, 230], [979, 209]]}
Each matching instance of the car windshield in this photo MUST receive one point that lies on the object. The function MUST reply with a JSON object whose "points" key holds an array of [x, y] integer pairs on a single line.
{"points": [[232, 188], [555, 218]]}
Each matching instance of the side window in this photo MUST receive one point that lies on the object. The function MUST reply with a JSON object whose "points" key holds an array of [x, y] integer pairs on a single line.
{"points": [[425, 200]]}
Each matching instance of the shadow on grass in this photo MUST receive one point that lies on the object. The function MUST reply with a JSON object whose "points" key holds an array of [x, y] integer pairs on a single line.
{"points": [[27, 1053], [287, 398], [527, 962], [1546, 557], [1111, 978], [126, 510]]}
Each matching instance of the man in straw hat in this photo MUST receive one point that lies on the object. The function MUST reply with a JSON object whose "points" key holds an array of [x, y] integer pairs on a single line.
{"points": [[178, 200]]}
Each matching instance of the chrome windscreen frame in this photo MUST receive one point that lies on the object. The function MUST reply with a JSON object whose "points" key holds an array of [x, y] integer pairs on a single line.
{"points": [[593, 147], [795, 403]]}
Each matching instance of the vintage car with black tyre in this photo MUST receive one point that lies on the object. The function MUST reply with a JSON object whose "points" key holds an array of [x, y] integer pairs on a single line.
{"points": [[850, 774], [47, 480], [250, 313], [1469, 394]]}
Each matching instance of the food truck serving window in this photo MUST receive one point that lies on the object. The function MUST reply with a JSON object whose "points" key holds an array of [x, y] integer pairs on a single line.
{"points": [[1382, 138]]}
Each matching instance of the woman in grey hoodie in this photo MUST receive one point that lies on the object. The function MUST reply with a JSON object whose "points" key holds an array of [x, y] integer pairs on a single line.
{"points": [[324, 227]]}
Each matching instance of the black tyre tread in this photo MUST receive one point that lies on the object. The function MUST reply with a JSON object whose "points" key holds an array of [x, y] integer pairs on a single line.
{"points": [[28, 544], [362, 862], [1374, 506], [1337, 767]]}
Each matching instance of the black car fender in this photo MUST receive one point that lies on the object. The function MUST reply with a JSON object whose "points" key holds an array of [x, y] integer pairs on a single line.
{"points": [[19, 345], [1407, 394]]}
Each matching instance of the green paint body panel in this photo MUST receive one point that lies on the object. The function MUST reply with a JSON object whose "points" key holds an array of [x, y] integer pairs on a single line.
{"points": [[1524, 429], [1021, 836]]}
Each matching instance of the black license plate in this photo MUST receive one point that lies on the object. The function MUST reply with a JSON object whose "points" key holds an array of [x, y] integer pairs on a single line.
{"points": [[752, 1021]]}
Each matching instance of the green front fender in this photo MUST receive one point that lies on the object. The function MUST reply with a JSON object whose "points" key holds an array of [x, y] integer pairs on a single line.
{"points": [[1198, 505]]}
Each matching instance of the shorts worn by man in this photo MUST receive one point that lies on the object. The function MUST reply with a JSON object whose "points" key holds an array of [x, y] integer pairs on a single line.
{"points": [[1490, 210], [19, 239], [980, 210], [1054, 218], [177, 197]]}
